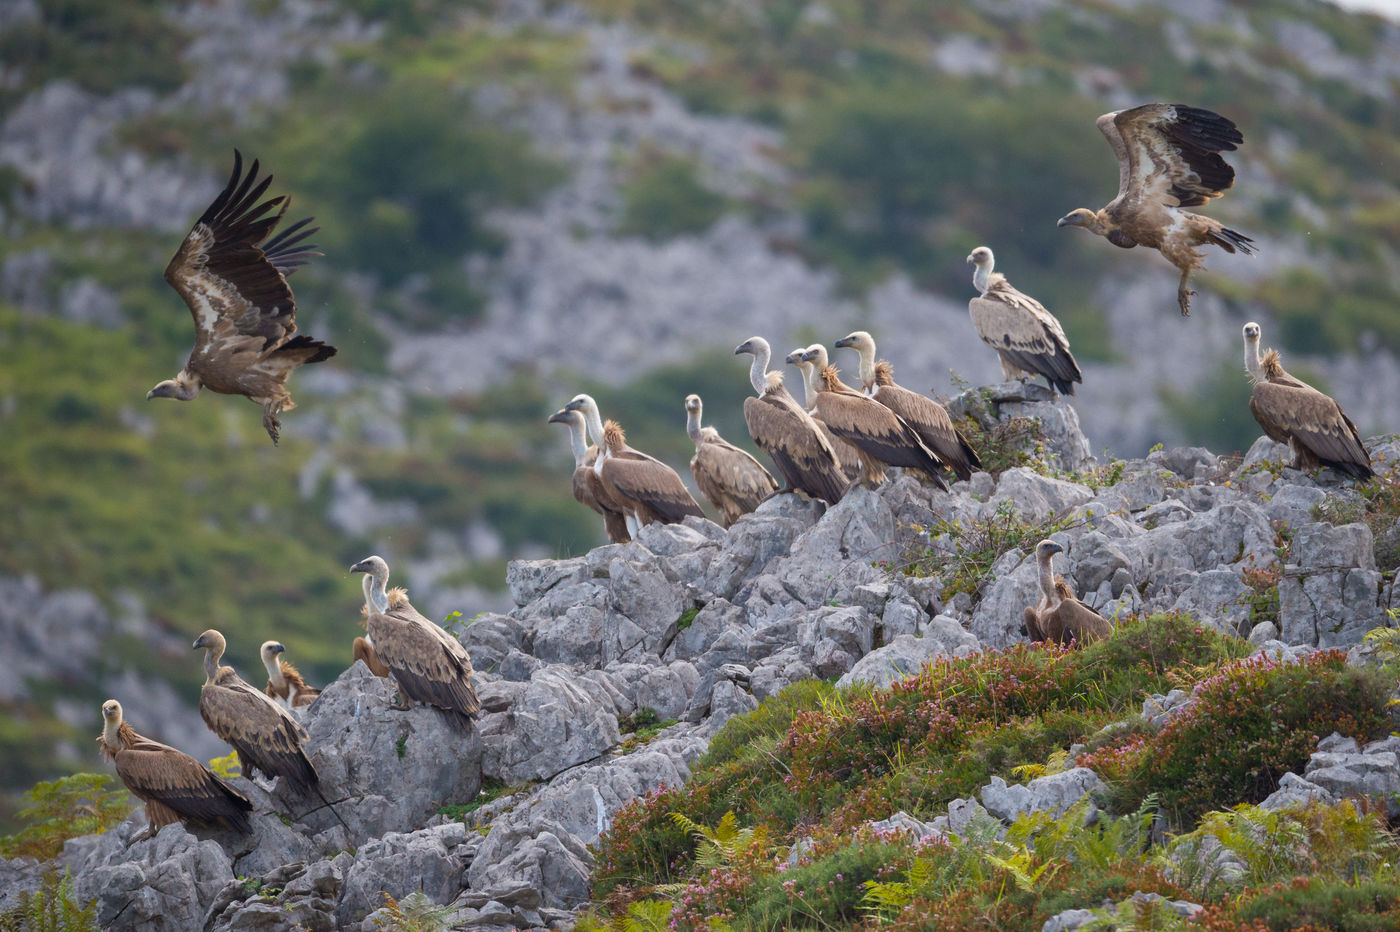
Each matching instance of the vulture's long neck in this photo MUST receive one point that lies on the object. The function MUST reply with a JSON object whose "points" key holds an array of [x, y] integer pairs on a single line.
{"points": [[692, 425], [211, 663], [375, 598], [1047, 582], [759, 369], [577, 441], [867, 365], [274, 670], [1252, 364], [982, 277], [595, 426], [112, 735]]}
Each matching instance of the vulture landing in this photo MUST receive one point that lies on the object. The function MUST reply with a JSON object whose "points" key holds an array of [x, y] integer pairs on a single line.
{"points": [[1060, 617], [234, 280], [1028, 339], [733, 481], [284, 681], [173, 785], [1168, 158], [614, 521]]}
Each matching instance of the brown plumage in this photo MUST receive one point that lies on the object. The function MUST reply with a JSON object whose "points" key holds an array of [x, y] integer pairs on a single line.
{"points": [[1028, 339], [1311, 423], [1168, 158], [234, 280], [428, 664], [584, 483], [883, 437], [362, 650], [846, 453], [733, 481], [284, 681], [173, 785], [785, 431], [1060, 618], [263, 733]]}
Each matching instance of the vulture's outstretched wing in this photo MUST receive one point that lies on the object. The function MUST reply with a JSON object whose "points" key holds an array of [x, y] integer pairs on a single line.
{"points": [[1169, 153]]}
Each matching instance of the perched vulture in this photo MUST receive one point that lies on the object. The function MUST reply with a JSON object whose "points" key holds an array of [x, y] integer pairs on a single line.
{"points": [[787, 433], [1060, 617], [234, 280], [847, 455], [1028, 339], [642, 487], [263, 733], [173, 785], [614, 521], [882, 436], [929, 419], [284, 681], [1168, 158], [731, 479], [1295, 413], [429, 665]]}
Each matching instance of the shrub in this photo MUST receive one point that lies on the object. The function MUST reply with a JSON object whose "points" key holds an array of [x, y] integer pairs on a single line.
{"points": [[1322, 903], [664, 198], [51, 908], [57, 810], [962, 552]]}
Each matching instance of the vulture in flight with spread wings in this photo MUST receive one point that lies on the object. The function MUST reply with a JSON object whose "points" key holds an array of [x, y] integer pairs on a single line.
{"points": [[429, 665], [1028, 339], [1168, 158], [731, 479], [234, 280], [284, 681], [1060, 618], [585, 456], [1293, 412], [173, 785]]}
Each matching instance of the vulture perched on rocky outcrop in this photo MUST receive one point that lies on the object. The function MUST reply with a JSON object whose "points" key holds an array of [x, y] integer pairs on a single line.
{"points": [[1168, 159], [785, 431], [363, 651], [234, 280], [284, 681], [733, 481], [1028, 339], [1313, 425], [251, 722], [173, 785], [846, 454], [614, 521], [1060, 617], [642, 487], [429, 665], [929, 419]]}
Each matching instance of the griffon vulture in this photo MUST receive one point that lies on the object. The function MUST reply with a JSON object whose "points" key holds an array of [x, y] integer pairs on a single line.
{"points": [[263, 733], [614, 521], [429, 665], [234, 280], [1168, 158], [284, 681], [733, 481], [1028, 339], [173, 785], [929, 419], [1295, 413], [787, 433], [847, 455], [1060, 617]]}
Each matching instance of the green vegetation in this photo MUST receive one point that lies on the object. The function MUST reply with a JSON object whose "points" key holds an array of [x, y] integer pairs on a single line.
{"points": [[414, 913], [51, 908], [962, 552], [1375, 504], [664, 198], [491, 790], [81, 804]]}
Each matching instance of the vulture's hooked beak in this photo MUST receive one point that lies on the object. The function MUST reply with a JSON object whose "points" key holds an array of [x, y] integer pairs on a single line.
{"points": [[793, 357], [574, 405], [843, 342], [1054, 548], [742, 348], [278, 649], [560, 417], [361, 567], [970, 259], [809, 356], [199, 642]]}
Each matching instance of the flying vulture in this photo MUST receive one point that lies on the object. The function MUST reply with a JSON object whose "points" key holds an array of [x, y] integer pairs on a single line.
{"points": [[1028, 339], [642, 487], [263, 733], [429, 665], [787, 433], [847, 455], [1295, 413], [1060, 617], [733, 481], [1168, 158], [173, 785], [234, 280], [614, 521], [284, 681], [929, 419]]}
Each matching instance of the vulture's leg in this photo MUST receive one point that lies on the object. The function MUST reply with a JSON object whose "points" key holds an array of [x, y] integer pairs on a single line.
{"points": [[1183, 294], [270, 422]]}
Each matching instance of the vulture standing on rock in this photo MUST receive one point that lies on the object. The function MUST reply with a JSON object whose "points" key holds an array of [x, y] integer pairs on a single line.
{"points": [[614, 521], [1060, 617], [787, 433], [1168, 158], [847, 455], [363, 651], [234, 280], [642, 487], [1295, 413], [429, 665], [1028, 339], [284, 681], [173, 785], [929, 419], [733, 481], [263, 733]]}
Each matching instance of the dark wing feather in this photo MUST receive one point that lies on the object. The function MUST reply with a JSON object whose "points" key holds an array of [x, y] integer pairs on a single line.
{"points": [[803, 457], [288, 251], [878, 432], [1313, 421], [429, 665], [652, 484], [1173, 153], [730, 478], [263, 733], [935, 428], [157, 772], [1023, 332]]}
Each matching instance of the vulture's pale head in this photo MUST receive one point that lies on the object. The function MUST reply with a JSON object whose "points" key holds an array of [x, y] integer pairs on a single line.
{"points": [[983, 256], [582, 403], [1079, 217], [211, 640], [112, 712], [1251, 332], [693, 403], [753, 346], [795, 358], [374, 566], [270, 650], [860, 341], [182, 388], [1047, 549], [816, 356], [566, 416]]}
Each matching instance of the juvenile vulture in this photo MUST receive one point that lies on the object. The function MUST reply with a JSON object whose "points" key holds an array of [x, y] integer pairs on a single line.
{"points": [[642, 487], [787, 433], [928, 418], [730, 478], [614, 521], [429, 665], [234, 280], [1295, 413], [284, 681], [1060, 617], [1028, 339], [263, 733], [847, 455], [1168, 158], [173, 785]]}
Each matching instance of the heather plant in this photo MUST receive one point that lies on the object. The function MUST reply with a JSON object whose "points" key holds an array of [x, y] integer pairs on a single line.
{"points": [[1323, 903]]}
